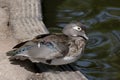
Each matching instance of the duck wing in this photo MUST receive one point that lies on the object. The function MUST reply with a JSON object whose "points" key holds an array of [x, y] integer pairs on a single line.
{"points": [[46, 48], [19, 45], [47, 51], [21, 48], [35, 39]]}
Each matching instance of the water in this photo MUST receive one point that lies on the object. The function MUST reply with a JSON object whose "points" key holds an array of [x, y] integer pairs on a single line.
{"points": [[102, 17]]}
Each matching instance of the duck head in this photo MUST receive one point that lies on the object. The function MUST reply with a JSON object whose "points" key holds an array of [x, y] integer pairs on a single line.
{"points": [[75, 30]]}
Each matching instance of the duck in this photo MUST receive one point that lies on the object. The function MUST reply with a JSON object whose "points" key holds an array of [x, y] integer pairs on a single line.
{"points": [[53, 49]]}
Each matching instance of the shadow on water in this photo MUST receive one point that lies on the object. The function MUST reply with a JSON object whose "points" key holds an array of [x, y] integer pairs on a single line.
{"points": [[102, 17]]}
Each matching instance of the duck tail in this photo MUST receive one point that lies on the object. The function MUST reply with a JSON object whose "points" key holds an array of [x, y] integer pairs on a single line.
{"points": [[11, 53]]}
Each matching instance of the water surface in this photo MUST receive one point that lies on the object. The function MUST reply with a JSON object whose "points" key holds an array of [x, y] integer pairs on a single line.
{"points": [[102, 17]]}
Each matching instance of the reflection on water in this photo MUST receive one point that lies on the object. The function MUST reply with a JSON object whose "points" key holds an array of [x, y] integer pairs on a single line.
{"points": [[102, 54]]}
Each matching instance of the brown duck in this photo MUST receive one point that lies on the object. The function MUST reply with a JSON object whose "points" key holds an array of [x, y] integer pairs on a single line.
{"points": [[53, 49]]}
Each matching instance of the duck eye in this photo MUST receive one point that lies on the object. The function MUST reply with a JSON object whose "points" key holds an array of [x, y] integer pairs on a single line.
{"points": [[77, 28]]}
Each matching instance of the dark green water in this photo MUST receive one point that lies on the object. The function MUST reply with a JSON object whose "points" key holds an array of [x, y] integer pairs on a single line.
{"points": [[102, 17]]}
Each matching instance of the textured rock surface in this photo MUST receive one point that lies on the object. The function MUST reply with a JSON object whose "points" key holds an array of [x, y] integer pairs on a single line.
{"points": [[24, 18], [63, 72], [9, 71]]}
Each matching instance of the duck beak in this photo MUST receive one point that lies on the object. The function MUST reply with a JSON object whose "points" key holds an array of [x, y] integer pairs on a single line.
{"points": [[85, 37]]}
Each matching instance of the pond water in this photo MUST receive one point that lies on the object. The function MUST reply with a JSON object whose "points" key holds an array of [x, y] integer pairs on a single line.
{"points": [[102, 17]]}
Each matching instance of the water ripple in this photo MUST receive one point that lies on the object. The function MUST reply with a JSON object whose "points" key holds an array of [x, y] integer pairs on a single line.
{"points": [[96, 40], [104, 15]]}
